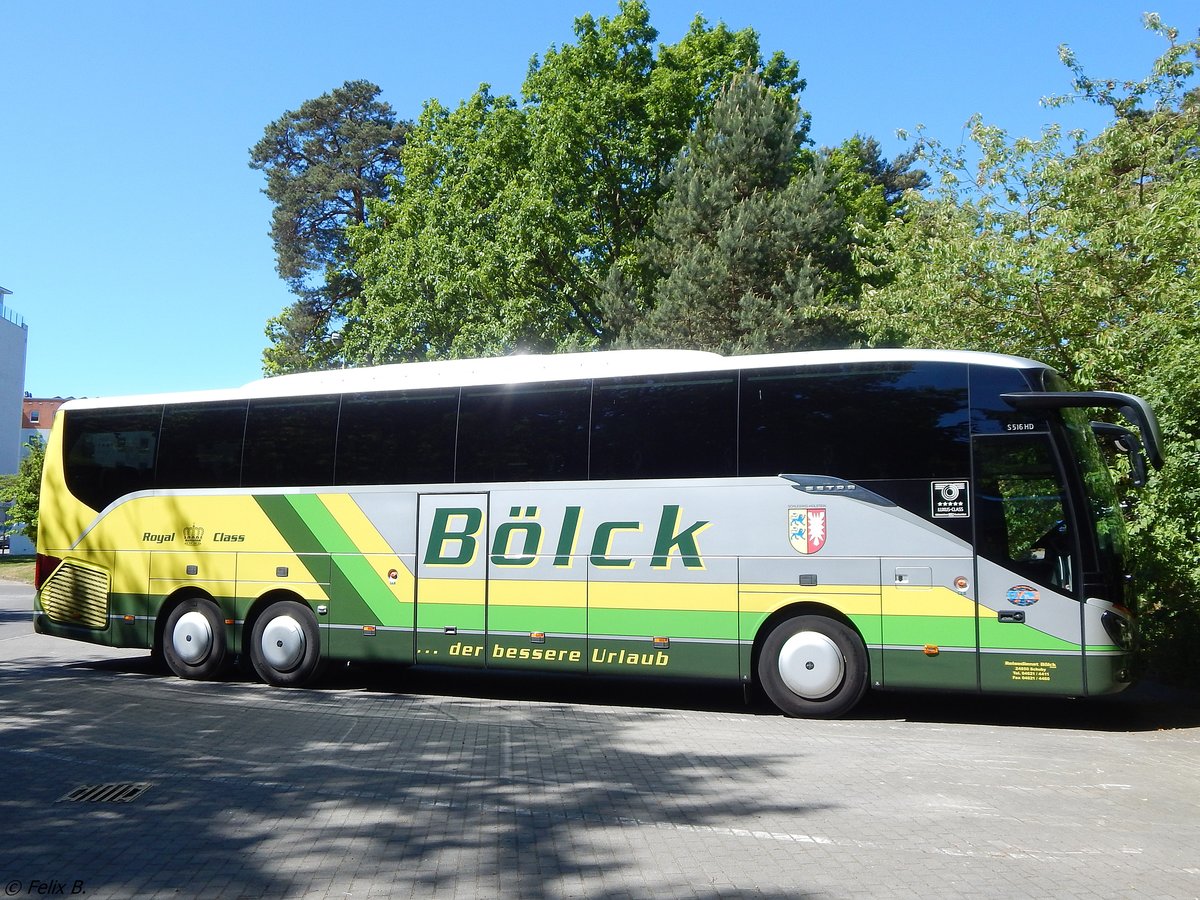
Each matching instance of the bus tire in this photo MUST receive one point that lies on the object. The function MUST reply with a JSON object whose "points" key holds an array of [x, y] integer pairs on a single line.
{"points": [[193, 641], [285, 644], [813, 667]]}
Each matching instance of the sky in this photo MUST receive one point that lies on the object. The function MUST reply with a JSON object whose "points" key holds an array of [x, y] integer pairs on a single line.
{"points": [[133, 233]]}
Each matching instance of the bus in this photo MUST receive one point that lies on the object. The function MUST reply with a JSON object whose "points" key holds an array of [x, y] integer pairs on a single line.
{"points": [[816, 523]]}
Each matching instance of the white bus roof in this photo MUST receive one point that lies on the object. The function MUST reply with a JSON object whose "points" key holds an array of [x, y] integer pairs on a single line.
{"points": [[534, 368]]}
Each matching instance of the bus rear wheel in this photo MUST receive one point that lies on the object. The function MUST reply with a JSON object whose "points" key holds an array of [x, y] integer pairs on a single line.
{"points": [[193, 641], [813, 667], [285, 645]]}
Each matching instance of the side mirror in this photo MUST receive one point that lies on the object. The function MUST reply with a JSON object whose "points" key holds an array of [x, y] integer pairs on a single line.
{"points": [[1135, 409], [1127, 442]]}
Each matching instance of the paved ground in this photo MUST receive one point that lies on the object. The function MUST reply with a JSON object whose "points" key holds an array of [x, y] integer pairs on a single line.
{"points": [[440, 784]]}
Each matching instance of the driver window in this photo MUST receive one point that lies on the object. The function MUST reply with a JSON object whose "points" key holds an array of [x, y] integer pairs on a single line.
{"points": [[1021, 515]]}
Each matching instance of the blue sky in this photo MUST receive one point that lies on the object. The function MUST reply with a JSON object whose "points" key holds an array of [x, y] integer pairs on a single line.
{"points": [[133, 234]]}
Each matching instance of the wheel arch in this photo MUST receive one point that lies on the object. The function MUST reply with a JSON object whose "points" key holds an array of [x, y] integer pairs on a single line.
{"points": [[172, 600], [802, 608], [267, 600]]}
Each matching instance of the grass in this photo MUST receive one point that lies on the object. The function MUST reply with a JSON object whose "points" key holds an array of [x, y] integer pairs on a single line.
{"points": [[16, 568]]}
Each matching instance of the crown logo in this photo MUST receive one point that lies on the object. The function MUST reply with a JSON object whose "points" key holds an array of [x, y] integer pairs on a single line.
{"points": [[193, 534]]}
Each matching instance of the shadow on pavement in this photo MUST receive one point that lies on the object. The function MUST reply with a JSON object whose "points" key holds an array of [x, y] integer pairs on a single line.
{"points": [[258, 792], [1146, 706]]}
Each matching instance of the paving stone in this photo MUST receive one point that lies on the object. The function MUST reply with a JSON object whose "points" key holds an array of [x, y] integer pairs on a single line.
{"points": [[459, 786]]}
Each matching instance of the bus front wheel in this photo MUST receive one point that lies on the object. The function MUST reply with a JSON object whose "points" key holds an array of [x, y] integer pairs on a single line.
{"points": [[193, 641], [285, 644], [812, 666]]}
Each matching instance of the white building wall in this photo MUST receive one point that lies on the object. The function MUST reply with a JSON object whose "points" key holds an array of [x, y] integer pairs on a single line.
{"points": [[14, 338]]}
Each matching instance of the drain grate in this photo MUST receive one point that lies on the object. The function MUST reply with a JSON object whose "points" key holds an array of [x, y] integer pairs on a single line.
{"points": [[118, 792]]}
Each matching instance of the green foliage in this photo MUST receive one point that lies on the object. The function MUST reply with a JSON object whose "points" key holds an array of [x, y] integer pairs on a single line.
{"points": [[745, 253], [1083, 254], [512, 213], [23, 490], [870, 188], [323, 162]]}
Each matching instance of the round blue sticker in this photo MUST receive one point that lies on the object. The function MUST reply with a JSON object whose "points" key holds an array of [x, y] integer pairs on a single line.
{"points": [[1023, 595]]}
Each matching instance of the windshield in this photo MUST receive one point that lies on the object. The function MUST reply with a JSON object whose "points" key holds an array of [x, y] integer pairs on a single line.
{"points": [[1111, 539]]}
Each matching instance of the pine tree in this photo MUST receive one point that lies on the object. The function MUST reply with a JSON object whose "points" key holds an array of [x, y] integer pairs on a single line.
{"points": [[323, 162], [749, 251]]}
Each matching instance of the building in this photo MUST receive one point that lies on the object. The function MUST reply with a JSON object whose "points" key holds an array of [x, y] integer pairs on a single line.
{"points": [[14, 336], [37, 415], [14, 339]]}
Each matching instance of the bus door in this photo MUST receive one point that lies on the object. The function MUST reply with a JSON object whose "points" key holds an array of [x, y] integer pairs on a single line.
{"points": [[1027, 567], [452, 579]]}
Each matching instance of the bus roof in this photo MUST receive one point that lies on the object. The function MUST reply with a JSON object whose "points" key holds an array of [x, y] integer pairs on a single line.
{"points": [[534, 368]]}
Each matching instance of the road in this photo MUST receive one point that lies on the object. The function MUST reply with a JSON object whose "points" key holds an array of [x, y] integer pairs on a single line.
{"points": [[388, 783]]}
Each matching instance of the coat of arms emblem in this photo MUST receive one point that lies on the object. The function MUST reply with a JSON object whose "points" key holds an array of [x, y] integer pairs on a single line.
{"points": [[806, 528]]}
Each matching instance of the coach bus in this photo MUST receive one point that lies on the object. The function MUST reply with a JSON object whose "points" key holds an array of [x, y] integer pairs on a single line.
{"points": [[816, 523]]}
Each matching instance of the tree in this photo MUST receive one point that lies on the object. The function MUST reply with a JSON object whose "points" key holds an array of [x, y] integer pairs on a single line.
{"points": [[870, 188], [512, 212], [323, 162], [447, 263], [747, 251], [23, 489], [1084, 254]]}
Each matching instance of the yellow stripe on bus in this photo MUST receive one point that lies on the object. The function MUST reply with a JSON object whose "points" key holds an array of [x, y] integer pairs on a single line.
{"points": [[566, 594], [362, 533], [644, 595], [451, 590], [932, 601], [855, 602]]}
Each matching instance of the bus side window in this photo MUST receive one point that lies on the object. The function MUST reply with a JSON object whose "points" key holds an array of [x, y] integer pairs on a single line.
{"points": [[110, 453], [523, 433], [665, 427], [400, 437], [290, 442], [831, 420], [201, 445]]}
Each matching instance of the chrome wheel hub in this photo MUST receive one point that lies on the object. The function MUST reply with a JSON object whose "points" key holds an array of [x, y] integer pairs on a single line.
{"points": [[192, 638], [283, 643], [811, 665]]}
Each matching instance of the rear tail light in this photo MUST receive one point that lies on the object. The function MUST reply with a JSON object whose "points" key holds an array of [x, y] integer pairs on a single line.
{"points": [[44, 568]]}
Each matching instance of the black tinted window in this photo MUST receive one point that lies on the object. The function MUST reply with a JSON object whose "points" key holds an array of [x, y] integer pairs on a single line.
{"points": [[1021, 519], [895, 421], [665, 427], [290, 442], [201, 445], [990, 414], [397, 438], [110, 452], [523, 433]]}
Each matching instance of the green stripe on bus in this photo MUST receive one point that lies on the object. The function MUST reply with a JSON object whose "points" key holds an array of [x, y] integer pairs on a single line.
{"points": [[367, 583], [667, 623], [372, 590], [321, 523], [993, 634], [288, 522]]}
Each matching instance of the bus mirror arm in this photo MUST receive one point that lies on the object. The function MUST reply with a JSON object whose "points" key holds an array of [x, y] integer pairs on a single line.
{"points": [[1127, 442], [1135, 409]]}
